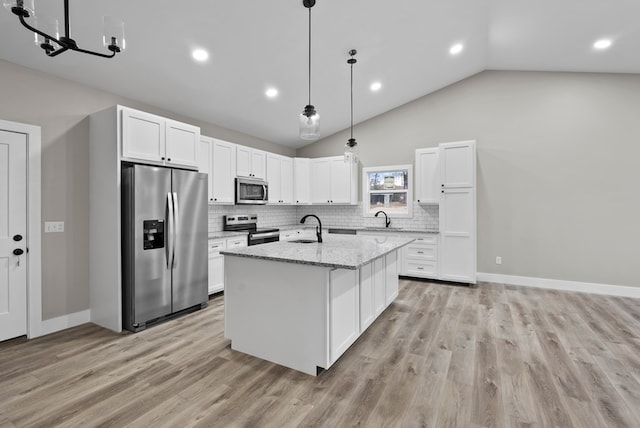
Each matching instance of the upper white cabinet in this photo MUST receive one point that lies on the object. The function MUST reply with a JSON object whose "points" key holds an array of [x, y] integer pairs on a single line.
{"points": [[205, 149], [301, 178], [333, 181], [223, 173], [458, 166], [458, 211], [280, 178], [154, 139], [427, 178], [251, 162]]}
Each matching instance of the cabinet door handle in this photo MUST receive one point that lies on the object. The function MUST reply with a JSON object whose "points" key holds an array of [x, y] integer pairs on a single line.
{"points": [[162, 158], [168, 159], [420, 252]]}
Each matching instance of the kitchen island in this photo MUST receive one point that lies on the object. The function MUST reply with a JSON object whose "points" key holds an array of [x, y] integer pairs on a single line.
{"points": [[301, 305]]}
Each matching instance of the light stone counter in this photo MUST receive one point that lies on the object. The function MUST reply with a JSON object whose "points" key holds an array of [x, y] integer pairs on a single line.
{"points": [[222, 234], [337, 251]]}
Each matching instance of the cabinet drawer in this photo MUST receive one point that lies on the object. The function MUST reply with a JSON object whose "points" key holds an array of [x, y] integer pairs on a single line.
{"points": [[422, 252], [216, 246], [237, 242], [426, 239], [421, 269]]}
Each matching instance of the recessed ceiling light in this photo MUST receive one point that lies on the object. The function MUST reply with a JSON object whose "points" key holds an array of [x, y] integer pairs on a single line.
{"points": [[375, 86], [456, 49], [200, 55], [271, 92], [602, 44]]}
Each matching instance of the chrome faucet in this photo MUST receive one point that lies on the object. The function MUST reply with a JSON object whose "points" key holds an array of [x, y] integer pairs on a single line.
{"points": [[387, 222], [318, 227]]}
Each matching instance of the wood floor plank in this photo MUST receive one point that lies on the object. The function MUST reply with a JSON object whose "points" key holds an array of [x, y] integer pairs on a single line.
{"points": [[441, 355]]}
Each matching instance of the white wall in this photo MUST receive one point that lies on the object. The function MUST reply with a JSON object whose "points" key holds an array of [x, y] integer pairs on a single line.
{"points": [[62, 108], [558, 167]]}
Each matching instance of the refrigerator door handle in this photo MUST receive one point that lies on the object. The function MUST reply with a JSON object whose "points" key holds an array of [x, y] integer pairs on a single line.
{"points": [[176, 227], [169, 250]]}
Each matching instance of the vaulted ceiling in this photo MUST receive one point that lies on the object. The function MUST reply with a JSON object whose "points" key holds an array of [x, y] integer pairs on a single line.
{"points": [[256, 45]]}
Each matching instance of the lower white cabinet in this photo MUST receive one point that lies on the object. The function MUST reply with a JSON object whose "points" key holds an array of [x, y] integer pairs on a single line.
{"points": [[216, 265], [421, 257], [378, 288], [344, 319], [216, 260], [418, 259]]}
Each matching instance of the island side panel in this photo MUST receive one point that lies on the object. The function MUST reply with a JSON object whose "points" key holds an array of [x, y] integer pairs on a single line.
{"points": [[278, 311]]}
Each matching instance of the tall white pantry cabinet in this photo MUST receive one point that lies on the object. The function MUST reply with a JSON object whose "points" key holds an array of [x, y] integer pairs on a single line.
{"points": [[446, 176]]}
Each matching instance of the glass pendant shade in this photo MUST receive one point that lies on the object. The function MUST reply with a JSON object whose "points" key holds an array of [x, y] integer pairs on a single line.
{"points": [[351, 151], [309, 125], [49, 26], [113, 38], [27, 5]]}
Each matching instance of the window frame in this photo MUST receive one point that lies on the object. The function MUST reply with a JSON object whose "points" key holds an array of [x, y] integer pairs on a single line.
{"points": [[367, 211]]}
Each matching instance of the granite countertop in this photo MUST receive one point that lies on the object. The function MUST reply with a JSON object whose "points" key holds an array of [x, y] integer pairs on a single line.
{"points": [[394, 229], [337, 251], [222, 234]]}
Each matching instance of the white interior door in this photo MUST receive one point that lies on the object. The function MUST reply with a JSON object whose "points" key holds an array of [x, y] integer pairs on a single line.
{"points": [[13, 235]]}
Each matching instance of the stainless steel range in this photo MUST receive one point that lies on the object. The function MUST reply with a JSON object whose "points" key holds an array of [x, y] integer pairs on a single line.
{"points": [[249, 222]]}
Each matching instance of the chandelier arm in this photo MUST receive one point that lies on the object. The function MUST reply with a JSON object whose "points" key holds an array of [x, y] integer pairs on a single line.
{"points": [[35, 30], [51, 54], [113, 53]]}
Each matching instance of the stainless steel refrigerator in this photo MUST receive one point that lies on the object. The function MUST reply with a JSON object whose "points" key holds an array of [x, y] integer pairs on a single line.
{"points": [[164, 243]]}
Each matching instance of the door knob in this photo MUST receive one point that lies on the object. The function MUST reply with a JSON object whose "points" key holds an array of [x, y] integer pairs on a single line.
{"points": [[18, 251], [17, 238]]}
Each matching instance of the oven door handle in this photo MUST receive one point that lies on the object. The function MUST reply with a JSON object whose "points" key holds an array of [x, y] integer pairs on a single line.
{"points": [[264, 235]]}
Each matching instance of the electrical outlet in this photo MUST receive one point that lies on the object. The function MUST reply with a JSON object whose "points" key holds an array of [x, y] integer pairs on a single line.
{"points": [[53, 226], [498, 260]]}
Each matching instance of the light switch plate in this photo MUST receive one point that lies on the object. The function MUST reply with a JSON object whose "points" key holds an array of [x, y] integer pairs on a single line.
{"points": [[53, 226]]}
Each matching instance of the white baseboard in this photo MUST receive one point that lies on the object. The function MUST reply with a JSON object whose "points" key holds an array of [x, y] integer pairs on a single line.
{"points": [[66, 321], [557, 284]]}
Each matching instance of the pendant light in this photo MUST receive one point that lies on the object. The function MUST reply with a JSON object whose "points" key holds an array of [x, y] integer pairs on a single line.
{"points": [[52, 43], [309, 118], [351, 148]]}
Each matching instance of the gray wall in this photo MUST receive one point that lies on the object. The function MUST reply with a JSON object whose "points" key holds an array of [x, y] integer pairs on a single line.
{"points": [[61, 108], [558, 167]]}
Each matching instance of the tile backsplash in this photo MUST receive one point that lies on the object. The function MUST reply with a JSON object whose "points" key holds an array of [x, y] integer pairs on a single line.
{"points": [[268, 215], [425, 217]]}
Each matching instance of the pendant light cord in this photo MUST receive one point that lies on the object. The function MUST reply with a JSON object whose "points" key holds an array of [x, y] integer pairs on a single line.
{"points": [[352, 98], [309, 56]]}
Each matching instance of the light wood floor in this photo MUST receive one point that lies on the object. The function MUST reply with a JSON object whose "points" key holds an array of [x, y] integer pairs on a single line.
{"points": [[440, 356]]}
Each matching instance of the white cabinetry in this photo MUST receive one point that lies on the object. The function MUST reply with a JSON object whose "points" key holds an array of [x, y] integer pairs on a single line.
{"points": [[123, 134], [154, 139], [216, 260], [205, 156], [427, 178], [223, 172], [216, 265], [280, 178], [458, 211], [344, 303], [333, 181], [251, 162], [301, 177], [421, 257]]}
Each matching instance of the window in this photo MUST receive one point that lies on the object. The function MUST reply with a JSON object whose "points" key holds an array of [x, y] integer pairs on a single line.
{"points": [[387, 188]]}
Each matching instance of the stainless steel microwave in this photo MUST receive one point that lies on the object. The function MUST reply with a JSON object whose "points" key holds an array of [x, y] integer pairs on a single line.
{"points": [[251, 191]]}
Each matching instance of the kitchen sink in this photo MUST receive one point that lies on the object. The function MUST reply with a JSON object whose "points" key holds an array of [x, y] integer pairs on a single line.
{"points": [[304, 241]]}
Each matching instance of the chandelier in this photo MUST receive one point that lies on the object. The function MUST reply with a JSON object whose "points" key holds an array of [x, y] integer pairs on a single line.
{"points": [[49, 39]]}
